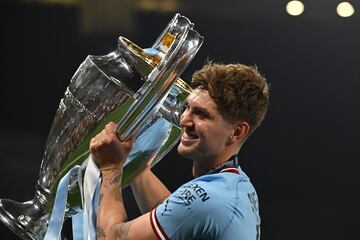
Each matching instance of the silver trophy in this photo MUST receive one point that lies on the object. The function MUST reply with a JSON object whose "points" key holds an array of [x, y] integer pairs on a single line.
{"points": [[139, 89]]}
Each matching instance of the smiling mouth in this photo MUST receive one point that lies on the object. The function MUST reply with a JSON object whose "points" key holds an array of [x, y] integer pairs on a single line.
{"points": [[188, 138]]}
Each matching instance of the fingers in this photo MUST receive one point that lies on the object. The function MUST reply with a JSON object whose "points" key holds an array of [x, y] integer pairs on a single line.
{"points": [[109, 135], [107, 148], [109, 132], [105, 137], [110, 128]]}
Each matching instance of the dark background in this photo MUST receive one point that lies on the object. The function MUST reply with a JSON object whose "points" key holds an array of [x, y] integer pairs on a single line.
{"points": [[304, 158]]}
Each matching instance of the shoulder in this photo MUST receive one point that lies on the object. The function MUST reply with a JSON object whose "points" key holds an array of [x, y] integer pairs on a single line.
{"points": [[204, 189], [205, 206], [194, 210], [224, 197], [210, 195]]}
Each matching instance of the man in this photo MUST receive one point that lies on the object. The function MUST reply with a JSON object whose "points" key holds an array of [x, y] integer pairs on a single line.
{"points": [[227, 104]]}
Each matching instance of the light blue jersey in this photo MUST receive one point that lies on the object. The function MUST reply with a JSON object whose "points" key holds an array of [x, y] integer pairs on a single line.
{"points": [[221, 205]]}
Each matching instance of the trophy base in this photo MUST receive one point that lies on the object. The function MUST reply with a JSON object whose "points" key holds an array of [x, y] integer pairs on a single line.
{"points": [[11, 214]]}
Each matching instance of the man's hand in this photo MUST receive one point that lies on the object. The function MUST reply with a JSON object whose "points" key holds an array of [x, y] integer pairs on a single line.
{"points": [[110, 153], [107, 150]]}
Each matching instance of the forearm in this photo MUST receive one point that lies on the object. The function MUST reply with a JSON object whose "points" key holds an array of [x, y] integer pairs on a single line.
{"points": [[111, 209], [148, 190]]}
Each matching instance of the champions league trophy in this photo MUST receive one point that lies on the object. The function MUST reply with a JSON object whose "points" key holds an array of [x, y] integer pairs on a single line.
{"points": [[136, 88]]}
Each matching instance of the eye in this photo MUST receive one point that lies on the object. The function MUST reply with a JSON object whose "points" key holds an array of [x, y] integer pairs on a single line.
{"points": [[201, 114], [184, 107]]}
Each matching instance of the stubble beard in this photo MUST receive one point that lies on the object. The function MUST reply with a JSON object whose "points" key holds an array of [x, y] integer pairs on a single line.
{"points": [[186, 152]]}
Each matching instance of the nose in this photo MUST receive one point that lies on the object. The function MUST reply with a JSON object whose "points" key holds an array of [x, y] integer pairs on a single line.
{"points": [[185, 119]]}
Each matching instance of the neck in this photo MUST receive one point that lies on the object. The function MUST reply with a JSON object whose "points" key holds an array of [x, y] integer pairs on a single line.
{"points": [[202, 167]]}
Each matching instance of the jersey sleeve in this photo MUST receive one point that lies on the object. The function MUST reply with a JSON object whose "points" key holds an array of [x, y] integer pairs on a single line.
{"points": [[188, 213]]}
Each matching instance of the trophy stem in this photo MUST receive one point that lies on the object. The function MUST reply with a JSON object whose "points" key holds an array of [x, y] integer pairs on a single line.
{"points": [[29, 220]]}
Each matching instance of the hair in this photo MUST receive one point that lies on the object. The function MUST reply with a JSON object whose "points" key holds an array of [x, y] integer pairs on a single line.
{"points": [[239, 91]]}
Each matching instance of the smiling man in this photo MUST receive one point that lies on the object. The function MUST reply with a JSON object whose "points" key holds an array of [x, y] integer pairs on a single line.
{"points": [[227, 104]]}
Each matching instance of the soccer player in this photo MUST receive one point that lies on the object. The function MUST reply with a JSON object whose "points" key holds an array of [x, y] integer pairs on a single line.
{"points": [[227, 104]]}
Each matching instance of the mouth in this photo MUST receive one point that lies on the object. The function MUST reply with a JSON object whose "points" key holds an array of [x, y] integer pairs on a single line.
{"points": [[188, 138]]}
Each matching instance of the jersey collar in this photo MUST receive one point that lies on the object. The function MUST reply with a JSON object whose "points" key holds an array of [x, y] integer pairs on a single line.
{"points": [[231, 165]]}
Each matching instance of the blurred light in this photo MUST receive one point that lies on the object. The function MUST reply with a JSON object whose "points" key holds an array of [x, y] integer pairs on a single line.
{"points": [[54, 2], [159, 5], [345, 9], [295, 8]]}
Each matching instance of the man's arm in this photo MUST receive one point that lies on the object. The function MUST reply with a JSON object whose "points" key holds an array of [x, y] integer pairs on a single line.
{"points": [[111, 209], [110, 154], [112, 215], [148, 190]]}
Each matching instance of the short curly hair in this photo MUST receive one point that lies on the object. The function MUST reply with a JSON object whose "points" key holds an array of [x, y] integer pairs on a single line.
{"points": [[239, 91]]}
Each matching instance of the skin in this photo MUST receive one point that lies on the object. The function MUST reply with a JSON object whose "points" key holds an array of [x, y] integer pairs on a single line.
{"points": [[110, 154], [207, 139]]}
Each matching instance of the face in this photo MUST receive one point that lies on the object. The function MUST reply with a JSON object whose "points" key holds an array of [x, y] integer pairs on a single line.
{"points": [[205, 133]]}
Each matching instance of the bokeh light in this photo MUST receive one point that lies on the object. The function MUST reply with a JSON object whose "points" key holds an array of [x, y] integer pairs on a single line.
{"points": [[345, 9], [295, 8]]}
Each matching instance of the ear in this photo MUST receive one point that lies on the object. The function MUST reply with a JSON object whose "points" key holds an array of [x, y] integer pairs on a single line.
{"points": [[240, 132]]}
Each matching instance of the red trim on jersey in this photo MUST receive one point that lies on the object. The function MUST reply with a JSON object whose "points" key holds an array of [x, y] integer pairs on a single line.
{"points": [[157, 227], [153, 227], [231, 169]]}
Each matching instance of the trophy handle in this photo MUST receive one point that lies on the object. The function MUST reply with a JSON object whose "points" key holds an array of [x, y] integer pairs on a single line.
{"points": [[179, 43], [177, 25]]}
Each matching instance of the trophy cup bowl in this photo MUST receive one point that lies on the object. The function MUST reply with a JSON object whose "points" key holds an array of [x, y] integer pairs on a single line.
{"points": [[142, 92]]}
